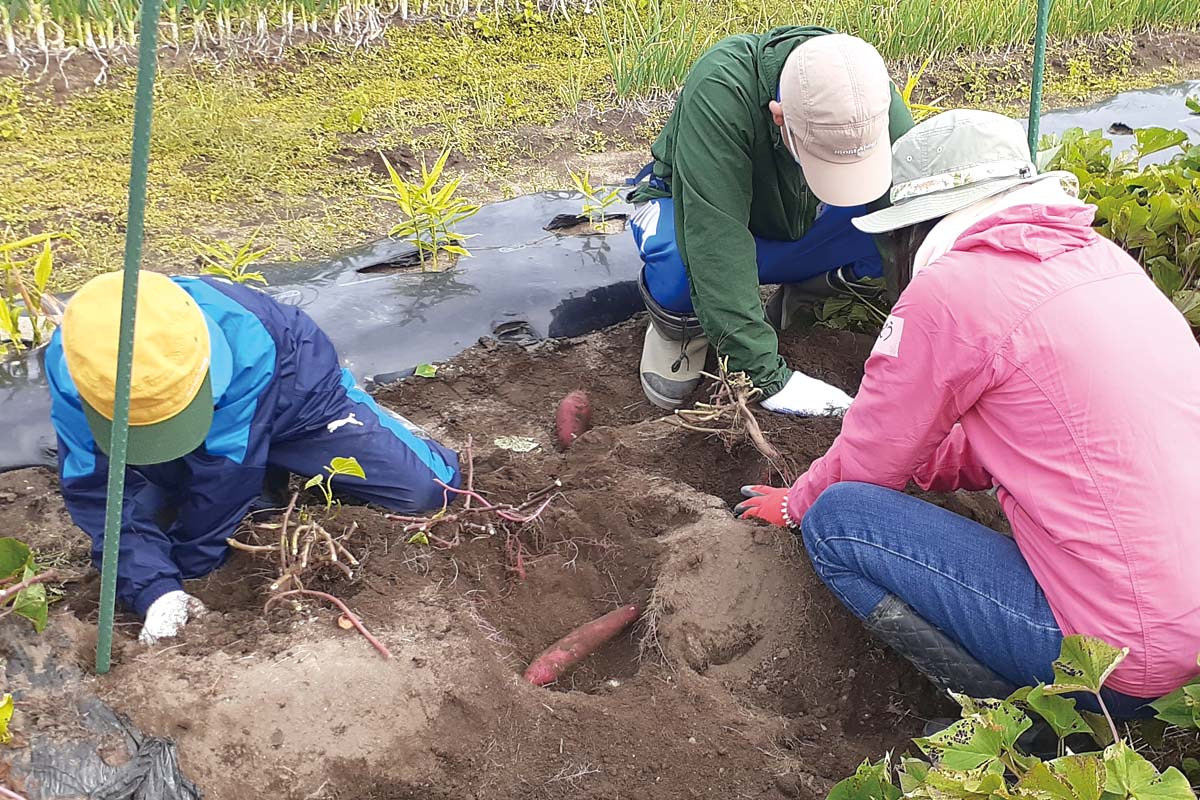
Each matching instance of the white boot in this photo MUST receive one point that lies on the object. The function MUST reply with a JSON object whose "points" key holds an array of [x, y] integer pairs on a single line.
{"points": [[670, 369]]}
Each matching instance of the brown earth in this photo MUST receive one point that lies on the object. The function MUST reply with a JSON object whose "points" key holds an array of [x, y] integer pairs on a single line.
{"points": [[744, 678]]}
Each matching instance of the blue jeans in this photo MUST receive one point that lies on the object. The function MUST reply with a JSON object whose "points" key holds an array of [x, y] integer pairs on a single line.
{"points": [[832, 242], [972, 583]]}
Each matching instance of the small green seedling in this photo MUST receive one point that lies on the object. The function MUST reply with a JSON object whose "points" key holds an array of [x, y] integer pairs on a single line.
{"points": [[1192, 101], [23, 283], [222, 260], [596, 201], [337, 466], [429, 213], [20, 594]]}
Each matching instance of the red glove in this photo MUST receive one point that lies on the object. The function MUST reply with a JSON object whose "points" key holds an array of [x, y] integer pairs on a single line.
{"points": [[766, 503]]}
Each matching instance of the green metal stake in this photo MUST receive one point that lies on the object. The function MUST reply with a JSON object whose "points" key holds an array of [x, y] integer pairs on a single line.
{"points": [[1039, 69], [143, 105]]}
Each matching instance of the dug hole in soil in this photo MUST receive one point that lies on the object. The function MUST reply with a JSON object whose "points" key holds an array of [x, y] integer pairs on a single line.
{"points": [[744, 678]]}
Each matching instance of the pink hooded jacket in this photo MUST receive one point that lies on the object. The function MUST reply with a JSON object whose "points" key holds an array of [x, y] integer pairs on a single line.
{"points": [[1037, 357]]}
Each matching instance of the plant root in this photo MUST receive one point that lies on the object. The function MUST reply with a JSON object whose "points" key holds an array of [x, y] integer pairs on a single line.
{"points": [[346, 613], [479, 516], [727, 415]]}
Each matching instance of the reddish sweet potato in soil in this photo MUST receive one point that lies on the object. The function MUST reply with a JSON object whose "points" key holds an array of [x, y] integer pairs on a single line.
{"points": [[565, 654], [574, 418]]}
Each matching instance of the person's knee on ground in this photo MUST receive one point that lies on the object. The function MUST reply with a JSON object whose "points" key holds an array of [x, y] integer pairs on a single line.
{"points": [[945, 662]]}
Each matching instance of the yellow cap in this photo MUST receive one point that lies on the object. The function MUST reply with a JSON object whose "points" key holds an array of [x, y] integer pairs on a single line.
{"points": [[170, 404]]}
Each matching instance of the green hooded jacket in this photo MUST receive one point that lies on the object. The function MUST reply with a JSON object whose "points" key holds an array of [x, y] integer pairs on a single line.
{"points": [[732, 178]]}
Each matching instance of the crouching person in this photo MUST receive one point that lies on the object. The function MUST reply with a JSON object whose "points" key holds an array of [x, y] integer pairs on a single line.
{"points": [[1031, 355], [228, 387]]}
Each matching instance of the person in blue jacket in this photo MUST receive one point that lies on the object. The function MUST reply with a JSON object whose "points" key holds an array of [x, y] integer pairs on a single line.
{"points": [[227, 385]]}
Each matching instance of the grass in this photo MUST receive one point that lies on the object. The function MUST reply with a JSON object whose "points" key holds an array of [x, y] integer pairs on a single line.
{"points": [[289, 148]]}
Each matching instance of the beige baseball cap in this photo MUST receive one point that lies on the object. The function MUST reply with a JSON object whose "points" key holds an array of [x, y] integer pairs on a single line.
{"points": [[836, 97]]}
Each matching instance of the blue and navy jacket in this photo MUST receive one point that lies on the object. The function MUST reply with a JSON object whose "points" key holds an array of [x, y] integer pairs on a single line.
{"points": [[276, 378]]}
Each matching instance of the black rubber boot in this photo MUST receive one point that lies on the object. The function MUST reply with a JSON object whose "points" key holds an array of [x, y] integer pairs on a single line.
{"points": [[939, 658]]}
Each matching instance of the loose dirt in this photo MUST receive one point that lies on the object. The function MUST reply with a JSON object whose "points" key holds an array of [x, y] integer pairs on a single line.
{"points": [[744, 677]]}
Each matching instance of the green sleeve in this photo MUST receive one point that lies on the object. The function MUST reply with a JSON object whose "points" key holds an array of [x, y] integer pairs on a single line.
{"points": [[712, 190]]}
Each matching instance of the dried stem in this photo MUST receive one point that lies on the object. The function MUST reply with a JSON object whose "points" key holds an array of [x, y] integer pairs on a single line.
{"points": [[346, 612], [12, 591], [9, 794]]}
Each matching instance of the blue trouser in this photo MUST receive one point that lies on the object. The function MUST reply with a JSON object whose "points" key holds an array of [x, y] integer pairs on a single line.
{"points": [[972, 583], [831, 243], [398, 460]]}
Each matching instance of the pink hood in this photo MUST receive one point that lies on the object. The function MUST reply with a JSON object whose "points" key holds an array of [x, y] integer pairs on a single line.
{"points": [[1038, 358]]}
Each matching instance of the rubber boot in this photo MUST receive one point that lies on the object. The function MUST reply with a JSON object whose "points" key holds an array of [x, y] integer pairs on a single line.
{"points": [[670, 368], [939, 658]]}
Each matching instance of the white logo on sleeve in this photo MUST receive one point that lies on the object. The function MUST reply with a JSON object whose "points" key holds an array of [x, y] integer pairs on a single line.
{"points": [[646, 218], [888, 343]]}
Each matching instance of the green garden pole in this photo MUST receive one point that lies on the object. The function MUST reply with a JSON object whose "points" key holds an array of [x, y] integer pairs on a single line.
{"points": [[135, 227], [1039, 69]]}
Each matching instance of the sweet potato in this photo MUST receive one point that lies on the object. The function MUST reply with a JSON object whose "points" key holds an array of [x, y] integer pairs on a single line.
{"points": [[574, 418], [565, 654]]}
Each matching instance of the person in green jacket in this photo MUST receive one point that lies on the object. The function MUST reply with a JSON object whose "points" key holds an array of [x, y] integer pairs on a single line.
{"points": [[776, 142]]}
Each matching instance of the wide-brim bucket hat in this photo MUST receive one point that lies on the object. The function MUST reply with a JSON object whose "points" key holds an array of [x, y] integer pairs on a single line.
{"points": [[950, 162]]}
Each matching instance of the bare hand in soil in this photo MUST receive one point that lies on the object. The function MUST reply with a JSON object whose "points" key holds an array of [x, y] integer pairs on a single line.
{"points": [[727, 414]]}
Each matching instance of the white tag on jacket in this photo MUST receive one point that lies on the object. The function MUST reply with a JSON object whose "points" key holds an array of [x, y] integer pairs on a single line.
{"points": [[888, 343]]}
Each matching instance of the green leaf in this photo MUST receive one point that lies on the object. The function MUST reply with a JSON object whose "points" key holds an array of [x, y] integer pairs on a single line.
{"points": [[43, 268], [968, 744], [418, 538], [1085, 774], [6, 712], [1070, 778], [1191, 768], [1181, 707], [1059, 712], [315, 480], [346, 466], [913, 772], [1101, 731], [15, 557], [869, 782], [1152, 731], [1188, 303], [1166, 275], [1153, 140], [1129, 774], [426, 370], [31, 603], [1192, 102], [1084, 664]]}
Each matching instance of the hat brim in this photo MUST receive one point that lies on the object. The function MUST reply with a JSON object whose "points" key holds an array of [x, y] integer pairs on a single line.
{"points": [[854, 184], [163, 441], [940, 204]]}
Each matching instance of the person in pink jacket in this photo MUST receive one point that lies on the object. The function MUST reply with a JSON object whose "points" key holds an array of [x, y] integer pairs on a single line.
{"points": [[1029, 355]]}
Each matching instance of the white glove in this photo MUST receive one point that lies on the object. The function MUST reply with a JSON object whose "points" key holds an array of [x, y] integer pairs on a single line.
{"points": [[807, 397], [167, 615]]}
